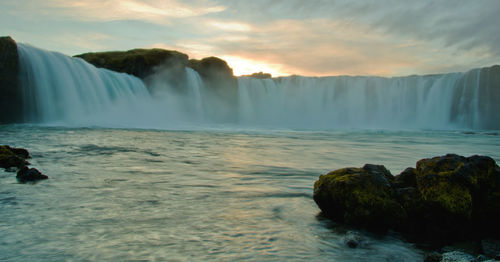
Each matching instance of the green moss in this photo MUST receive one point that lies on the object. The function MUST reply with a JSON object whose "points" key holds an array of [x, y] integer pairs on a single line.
{"points": [[138, 62], [452, 197], [357, 196]]}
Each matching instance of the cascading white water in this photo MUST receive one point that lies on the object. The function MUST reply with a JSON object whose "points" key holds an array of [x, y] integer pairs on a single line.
{"points": [[413, 102], [62, 89], [66, 90]]}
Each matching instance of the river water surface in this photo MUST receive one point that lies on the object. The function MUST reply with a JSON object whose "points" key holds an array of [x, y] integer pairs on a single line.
{"points": [[215, 194]]}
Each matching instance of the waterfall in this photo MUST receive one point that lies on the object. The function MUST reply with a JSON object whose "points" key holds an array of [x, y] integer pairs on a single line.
{"points": [[448, 101], [58, 88], [65, 90]]}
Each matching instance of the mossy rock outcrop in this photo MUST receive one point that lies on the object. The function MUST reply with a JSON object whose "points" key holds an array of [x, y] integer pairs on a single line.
{"points": [[260, 75], [359, 196], [443, 199], [137, 62], [10, 94], [462, 193]]}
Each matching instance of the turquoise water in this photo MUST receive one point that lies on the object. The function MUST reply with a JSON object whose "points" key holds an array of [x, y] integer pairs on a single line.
{"points": [[216, 194]]}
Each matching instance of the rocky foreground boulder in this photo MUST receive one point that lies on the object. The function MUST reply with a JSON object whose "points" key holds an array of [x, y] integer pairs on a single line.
{"points": [[359, 196], [442, 200]]}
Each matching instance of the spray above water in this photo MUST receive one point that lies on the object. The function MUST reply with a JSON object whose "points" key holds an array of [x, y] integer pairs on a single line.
{"points": [[69, 91]]}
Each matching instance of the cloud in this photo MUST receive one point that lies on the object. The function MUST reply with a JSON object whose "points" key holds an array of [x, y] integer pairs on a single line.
{"points": [[315, 37], [159, 11]]}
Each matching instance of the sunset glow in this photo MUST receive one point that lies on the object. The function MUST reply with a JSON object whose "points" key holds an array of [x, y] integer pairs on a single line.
{"points": [[242, 66], [279, 37]]}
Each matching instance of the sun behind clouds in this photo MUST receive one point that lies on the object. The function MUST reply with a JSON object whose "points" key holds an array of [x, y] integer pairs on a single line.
{"points": [[244, 66]]}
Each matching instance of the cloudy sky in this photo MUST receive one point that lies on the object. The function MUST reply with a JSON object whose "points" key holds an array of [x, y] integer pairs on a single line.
{"points": [[313, 37]]}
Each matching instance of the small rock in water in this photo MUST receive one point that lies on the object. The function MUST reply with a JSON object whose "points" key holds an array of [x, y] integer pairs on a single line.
{"points": [[457, 256], [27, 174], [352, 239], [433, 257]]}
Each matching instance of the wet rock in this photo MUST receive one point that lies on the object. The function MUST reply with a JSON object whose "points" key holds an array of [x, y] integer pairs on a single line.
{"points": [[491, 248], [13, 157], [10, 93], [21, 152], [457, 256], [433, 257], [352, 239], [27, 174], [443, 200], [359, 196]]}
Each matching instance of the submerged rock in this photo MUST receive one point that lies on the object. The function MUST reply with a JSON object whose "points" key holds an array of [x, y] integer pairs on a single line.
{"points": [[442, 200], [352, 239], [27, 174], [13, 157]]}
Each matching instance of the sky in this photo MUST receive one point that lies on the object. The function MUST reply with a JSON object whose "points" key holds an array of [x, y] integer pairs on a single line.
{"points": [[281, 37]]}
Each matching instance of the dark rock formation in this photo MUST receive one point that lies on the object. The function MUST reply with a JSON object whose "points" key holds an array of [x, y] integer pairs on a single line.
{"points": [[212, 69], [10, 94], [359, 196], [27, 174], [13, 157], [442, 200], [460, 196], [137, 62]]}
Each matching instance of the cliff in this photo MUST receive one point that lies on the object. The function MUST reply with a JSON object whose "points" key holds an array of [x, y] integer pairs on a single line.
{"points": [[10, 93]]}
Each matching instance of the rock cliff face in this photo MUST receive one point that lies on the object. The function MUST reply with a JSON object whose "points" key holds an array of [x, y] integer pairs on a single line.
{"points": [[10, 94], [166, 67]]}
